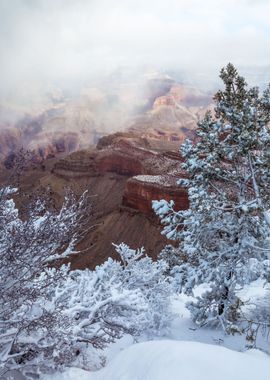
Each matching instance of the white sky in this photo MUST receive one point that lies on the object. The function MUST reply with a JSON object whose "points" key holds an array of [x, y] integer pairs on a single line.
{"points": [[46, 40]]}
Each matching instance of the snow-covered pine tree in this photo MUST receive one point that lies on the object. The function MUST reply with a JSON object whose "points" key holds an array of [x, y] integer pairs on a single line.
{"points": [[227, 224]]}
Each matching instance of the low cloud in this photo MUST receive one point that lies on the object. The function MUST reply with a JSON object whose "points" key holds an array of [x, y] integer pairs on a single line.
{"points": [[67, 43]]}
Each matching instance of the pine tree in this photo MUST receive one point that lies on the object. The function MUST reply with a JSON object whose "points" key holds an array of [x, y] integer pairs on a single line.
{"points": [[227, 225]]}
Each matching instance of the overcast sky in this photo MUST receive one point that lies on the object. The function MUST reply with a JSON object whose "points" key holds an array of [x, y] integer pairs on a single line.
{"points": [[47, 40]]}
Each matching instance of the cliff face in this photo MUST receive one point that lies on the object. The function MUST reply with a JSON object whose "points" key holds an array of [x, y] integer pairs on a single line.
{"points": [[120, 164], [140, 191], [77, 165]]}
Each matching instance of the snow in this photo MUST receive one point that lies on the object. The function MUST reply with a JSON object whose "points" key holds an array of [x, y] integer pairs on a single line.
{"points": [[163, 180], [186, 352], [9, 190], [71, 374], [159, 360], [173, 360], [267, 217], [253, 292]]}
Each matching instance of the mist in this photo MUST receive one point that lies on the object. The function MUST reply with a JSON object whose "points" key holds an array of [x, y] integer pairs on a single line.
{"points": [[70, 44]]}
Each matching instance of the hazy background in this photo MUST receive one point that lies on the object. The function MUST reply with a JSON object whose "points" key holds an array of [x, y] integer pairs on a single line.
{"points": [[71, 43]]}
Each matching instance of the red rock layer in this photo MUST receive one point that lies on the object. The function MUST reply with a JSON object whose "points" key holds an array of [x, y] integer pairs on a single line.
{"points": [[139, 194]]}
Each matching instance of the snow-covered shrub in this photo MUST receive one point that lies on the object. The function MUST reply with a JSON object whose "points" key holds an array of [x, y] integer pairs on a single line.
{"points": [[101, 307], [28, 317], [149, 277], [52, 317], [228, 182], [131, 296]]}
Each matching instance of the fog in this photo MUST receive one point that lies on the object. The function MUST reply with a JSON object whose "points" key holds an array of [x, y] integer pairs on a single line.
{"points": [[73, 43]]}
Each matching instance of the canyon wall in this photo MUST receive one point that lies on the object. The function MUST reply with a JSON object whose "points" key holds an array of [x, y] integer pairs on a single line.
{"points": [[140, 191]]}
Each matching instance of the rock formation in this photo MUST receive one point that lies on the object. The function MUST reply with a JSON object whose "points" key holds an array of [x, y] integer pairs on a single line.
{"points": [[141, 190]]}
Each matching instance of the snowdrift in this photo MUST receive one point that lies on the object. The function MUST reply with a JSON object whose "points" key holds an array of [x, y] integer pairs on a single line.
{"points": [[174, 360]]}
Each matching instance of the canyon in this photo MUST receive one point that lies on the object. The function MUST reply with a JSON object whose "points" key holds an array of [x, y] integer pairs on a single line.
{"points": [[122, 178], [123, 172], [155, 106]]}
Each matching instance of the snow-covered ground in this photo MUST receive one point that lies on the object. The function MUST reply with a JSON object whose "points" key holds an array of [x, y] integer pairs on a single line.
{"points": [[172, 360], [185, 352]]}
